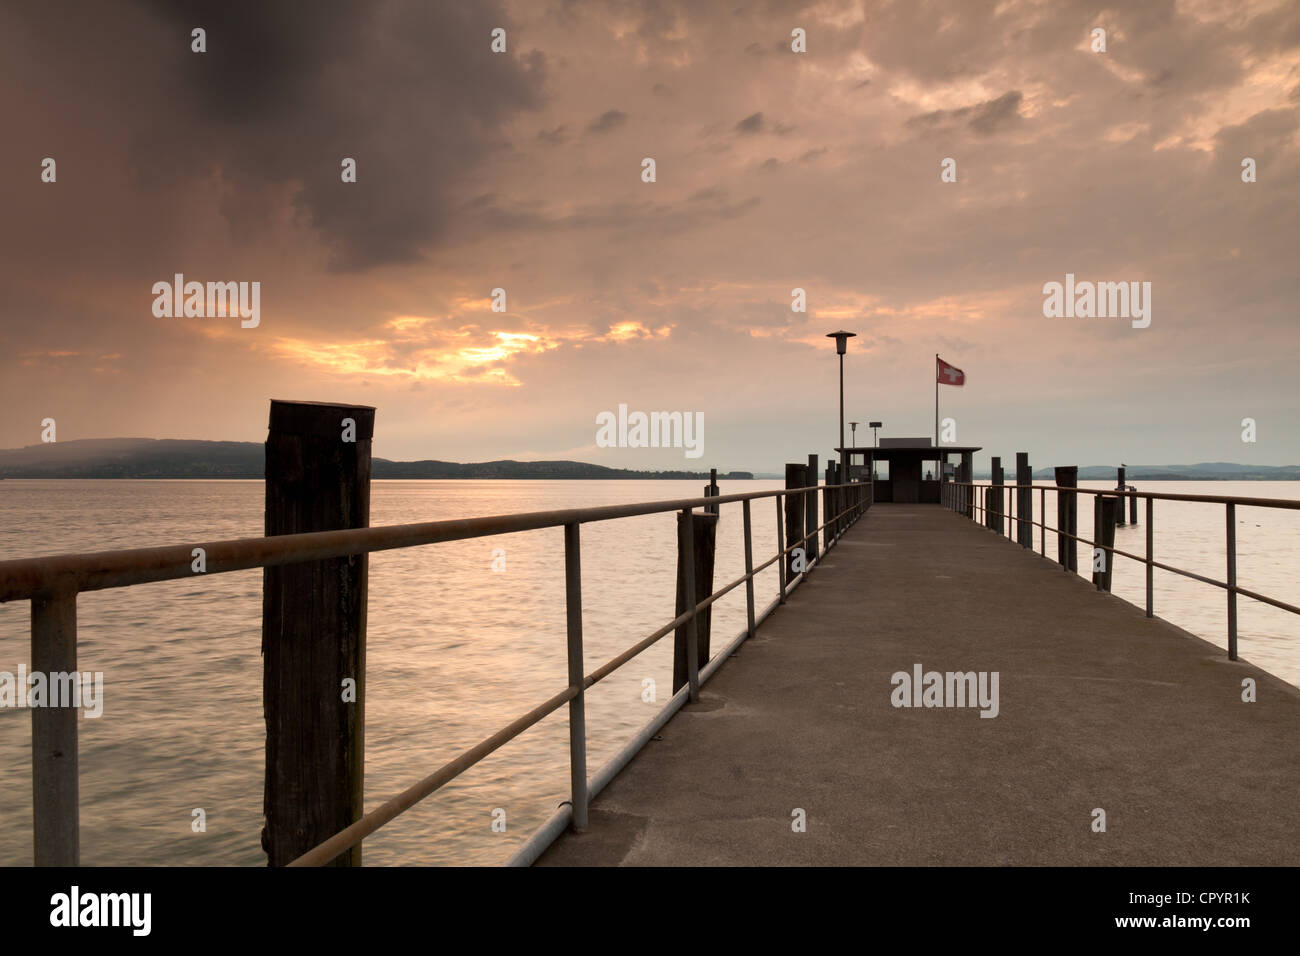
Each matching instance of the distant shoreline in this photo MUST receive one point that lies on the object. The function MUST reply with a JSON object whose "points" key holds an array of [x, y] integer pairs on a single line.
{"points": [[171, 459]]}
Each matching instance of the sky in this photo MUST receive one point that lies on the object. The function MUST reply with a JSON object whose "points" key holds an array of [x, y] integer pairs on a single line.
{"points": [[774, 170]]}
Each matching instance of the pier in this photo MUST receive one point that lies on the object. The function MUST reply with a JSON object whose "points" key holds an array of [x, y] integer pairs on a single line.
{"points": [[1100, 707], [923, 688]]}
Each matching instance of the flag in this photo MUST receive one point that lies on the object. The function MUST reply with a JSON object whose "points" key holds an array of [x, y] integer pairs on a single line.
{"points": [[949, 374]]}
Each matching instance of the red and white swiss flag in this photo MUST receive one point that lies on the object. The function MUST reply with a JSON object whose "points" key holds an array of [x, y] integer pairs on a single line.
{"points": [[950, 374]]}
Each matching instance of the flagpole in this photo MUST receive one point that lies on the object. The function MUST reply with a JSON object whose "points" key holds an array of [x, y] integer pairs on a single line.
{"points": [[936, 399]]}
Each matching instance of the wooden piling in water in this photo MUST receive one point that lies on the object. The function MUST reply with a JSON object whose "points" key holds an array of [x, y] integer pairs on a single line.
{"points": [[314, 629], [1104, 510], [1067, 517], [967, 470], [703, 538], [829, 509], [55, 778], [810, 509], [711, 490], [1120, 486], [995, 496], [1024, 501], [796, 476]]}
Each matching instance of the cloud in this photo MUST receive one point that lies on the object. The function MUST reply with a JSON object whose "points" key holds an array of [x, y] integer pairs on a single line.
{"points": [[281, 96], [750, 124], [983, 118], [610, 119]]}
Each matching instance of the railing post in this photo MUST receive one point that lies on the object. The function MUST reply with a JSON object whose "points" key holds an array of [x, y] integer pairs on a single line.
{"points": [[780, 549], [796, 476], [55, 782], [1232, 581], [1067, 517], [314, 630], [687, 645], [749, 572], [810, 511], [577, 706], [1150, 557]]}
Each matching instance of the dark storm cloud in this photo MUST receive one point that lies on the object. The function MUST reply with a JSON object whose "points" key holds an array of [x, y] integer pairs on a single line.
{"points": [[983, 118], [285, 91], [610, 119]]}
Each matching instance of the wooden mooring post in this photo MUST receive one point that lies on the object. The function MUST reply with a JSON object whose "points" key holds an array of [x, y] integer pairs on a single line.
{"points": [[966, 473], [995, 503], [314, 629], [1024, 501], [1104, 510], [810, 510], [711, 490], [796, 476], [702, 542], [55, 778], [1120, 486], [829, 508], [1067, 517]]}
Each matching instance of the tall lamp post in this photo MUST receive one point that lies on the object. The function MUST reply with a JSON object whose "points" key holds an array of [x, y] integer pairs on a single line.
{"points": [[853, 430], [841, 346]]}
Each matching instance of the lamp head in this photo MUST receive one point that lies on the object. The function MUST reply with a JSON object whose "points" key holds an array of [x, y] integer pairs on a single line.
{"points": [[841, 340]]}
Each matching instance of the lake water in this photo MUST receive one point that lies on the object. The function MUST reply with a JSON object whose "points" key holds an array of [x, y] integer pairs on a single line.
{"points": [[454, 650]]}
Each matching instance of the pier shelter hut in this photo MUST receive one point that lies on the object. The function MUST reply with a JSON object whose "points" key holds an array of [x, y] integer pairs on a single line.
{"points": [[905, 460]]}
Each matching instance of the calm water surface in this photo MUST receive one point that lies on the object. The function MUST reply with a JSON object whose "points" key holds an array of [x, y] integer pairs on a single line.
{"points": [[454, 650]]}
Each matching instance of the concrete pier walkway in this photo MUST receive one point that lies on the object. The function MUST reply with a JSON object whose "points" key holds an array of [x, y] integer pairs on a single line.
{"points": [[1099, 708]]}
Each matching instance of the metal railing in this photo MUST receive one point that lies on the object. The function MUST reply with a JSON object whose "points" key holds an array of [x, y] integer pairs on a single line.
{"points": [[53, 583], [970, 498]]}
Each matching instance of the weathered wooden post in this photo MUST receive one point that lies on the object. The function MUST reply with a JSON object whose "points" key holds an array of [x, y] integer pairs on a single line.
{"points": [[56, 823], [967, 475], [995, 496], [780, 548], [1024, 501], [314, 629], [796, 476], [810, 510], [1104, 509], [1132, 507], [838, 498], [751, 630], [1120, 486], [1067, 517], [703, 539], [828, 507], [711, 490], [988, 499]]}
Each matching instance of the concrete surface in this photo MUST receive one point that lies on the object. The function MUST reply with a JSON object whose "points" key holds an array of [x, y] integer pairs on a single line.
{"points": [[1099, 708]]}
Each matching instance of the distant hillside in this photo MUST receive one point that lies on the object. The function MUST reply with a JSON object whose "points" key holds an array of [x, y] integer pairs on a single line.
{"points": [[176, 458], [1205, 471]]}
